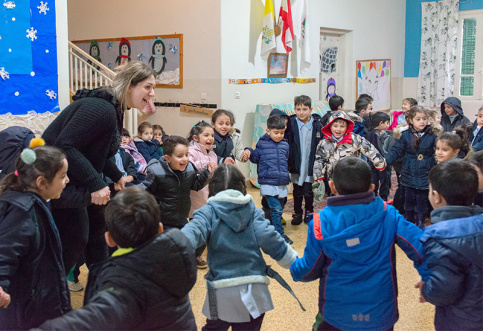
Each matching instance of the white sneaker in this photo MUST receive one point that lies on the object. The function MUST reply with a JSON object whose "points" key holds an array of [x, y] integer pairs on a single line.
{"points": [[75, 287]]}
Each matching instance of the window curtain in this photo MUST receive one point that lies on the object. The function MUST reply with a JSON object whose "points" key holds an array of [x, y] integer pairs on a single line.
{"points": [[439, 32]]}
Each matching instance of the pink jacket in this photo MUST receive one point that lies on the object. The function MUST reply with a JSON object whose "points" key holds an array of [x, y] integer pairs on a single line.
{"points": [[395, 115], [200, 157]]}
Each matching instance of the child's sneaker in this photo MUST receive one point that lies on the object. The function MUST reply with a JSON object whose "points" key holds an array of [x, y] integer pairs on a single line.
{"points": [[75, 286], [200, 263], [283, 221], [287, 239], [296, 219], [307, 217]]}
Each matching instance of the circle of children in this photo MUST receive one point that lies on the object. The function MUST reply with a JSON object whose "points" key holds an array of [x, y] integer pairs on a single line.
{"points": [[350, 243]]}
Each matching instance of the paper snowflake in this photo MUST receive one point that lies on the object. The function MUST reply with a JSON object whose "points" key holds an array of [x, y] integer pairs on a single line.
{"points": [[9, 4], [4, 74], [51, 94], [31, 33], [173, 49], [43, 8], [141, 57]]}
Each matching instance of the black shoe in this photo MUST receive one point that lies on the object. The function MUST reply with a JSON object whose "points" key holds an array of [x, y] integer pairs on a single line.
{"points": [[307, 217], [287, 239], [296, 219]]}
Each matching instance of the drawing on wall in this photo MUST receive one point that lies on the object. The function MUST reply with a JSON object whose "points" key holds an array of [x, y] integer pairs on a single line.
{"points": [[163, 53], [328, 60], [374, 78], [330, 89]]}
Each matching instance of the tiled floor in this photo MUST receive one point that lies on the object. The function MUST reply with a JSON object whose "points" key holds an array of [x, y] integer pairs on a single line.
{"points": [[288, 316]]}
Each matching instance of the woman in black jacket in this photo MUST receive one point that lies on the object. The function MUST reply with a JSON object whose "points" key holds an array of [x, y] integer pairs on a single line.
{"points": [[88, 131]]}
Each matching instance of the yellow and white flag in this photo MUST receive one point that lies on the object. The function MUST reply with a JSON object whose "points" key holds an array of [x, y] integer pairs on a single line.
{"points": [[268, 32]]}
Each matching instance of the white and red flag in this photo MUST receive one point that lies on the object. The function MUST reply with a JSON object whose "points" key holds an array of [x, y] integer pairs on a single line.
{"points": [[287, 26]]}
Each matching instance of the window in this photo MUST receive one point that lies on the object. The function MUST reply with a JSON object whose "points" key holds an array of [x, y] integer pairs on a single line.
{"points": [[469, 75]]}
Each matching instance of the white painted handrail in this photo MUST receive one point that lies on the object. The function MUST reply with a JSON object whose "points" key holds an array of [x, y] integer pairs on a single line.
{"points": [[87, 72]]}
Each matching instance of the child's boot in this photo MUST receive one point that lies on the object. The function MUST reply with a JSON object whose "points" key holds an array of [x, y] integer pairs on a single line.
{"points": [[297, 219], [420, 217]]}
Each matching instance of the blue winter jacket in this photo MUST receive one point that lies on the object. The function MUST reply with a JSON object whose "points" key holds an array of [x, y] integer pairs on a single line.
{"points": [[416, 163], [453, 250], [476, 142], [148, 149], [351, 249], [272, 160]]}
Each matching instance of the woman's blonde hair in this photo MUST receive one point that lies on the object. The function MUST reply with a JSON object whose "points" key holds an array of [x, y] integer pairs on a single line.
{"points": [[129, 75]]}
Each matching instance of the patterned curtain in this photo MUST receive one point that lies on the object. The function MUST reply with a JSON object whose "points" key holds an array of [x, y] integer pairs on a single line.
{"points": [[439, 32]]}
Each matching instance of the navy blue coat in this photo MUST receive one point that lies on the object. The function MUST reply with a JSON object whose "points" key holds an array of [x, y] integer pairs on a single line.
{"points": [[31, 267], [293, 137], [416, 163], [477, 143], [272, 160], [453, 251], [148, 149]]}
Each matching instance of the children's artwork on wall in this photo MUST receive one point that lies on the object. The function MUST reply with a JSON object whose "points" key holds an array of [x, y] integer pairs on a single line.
{"points": [[163, 53], [328, 60], [330, 89], [28, 57], [374, 78]]}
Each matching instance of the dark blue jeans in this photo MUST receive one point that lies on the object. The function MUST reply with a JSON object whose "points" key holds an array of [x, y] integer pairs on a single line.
{"points": [[254, 324], [276, 209], [299, 194]]}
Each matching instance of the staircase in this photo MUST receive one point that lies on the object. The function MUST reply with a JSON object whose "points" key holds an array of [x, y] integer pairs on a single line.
{"points": [[87, 72]]}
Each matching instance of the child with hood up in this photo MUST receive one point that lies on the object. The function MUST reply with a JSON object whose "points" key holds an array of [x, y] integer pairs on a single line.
{"points": [[452, 114]]}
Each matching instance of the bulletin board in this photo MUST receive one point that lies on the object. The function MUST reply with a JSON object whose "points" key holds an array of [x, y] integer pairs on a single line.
{"points": [[373, 77], [164, 53], [28, 57]]}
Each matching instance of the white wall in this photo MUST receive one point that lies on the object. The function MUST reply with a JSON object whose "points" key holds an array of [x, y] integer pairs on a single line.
{"points": [[378, 33], [198, 21], [62, 52]]}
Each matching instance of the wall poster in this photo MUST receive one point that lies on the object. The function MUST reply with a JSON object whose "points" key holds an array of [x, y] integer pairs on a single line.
{"points": [[373, 77]]}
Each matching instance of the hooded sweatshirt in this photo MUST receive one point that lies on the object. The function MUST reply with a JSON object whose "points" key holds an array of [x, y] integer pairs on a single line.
{"points": [[145, 289], [453, 250], [460, 118], [330, 151], [236, 232]]}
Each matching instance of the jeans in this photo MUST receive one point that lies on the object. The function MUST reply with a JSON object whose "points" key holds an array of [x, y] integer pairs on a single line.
{"points": [[300, 193], [254, 324], [276, 209]]}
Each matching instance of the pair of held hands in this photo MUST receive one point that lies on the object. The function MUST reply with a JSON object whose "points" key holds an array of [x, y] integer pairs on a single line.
{"points": [[102, 196], [245, 155]]}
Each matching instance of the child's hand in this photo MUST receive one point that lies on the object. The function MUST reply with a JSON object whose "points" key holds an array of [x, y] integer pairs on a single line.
{"points": [[158, 138], [245, 155], [229, 160], [420, 286], [212, 166], [4, 299], [101, 197]]}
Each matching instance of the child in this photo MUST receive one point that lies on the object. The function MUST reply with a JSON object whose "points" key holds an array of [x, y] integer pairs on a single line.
{"points": [[452, 114], [146, 145], [367, 119], [33, 287], [200, 151], [335, 103], [434, 115], [235, 231], [271, 155], [303, 137], [222, 121], [382, 141], [363, 109], [416, 146], [145, 284], [451, 145], [170, 180], [125, 164], [476, 160], [351, 248], [340, 142], [476, 137], [158, 134], [399, 117], [453, 248], [129, 147]]}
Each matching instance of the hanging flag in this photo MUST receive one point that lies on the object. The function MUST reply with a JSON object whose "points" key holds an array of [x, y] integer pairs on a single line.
{"points": [[287, 26], [268, 31], [300, 13]]}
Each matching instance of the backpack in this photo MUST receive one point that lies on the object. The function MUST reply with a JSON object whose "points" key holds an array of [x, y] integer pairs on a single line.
{"points": [[13, 141]]}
